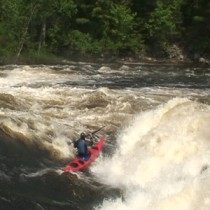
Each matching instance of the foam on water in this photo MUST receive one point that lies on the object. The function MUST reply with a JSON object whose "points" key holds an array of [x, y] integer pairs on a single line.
{"points": [[162, 160], [157, 149]]}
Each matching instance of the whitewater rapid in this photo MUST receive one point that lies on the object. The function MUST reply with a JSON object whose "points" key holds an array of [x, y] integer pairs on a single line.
{"points": [[157, 127], [162, 160]]}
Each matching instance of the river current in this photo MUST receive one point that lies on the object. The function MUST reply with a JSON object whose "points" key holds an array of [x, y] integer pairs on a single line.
{"points": [[157, 152]]}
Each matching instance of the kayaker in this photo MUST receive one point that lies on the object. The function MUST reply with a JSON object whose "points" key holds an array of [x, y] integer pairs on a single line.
{"points": [[82, 146]]}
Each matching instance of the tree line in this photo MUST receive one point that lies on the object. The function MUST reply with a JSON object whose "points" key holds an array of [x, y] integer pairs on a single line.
{"points": [[60, 27]]}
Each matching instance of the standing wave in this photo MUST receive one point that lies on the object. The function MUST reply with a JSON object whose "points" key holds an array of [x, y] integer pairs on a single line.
{"points": [[162, 160]]}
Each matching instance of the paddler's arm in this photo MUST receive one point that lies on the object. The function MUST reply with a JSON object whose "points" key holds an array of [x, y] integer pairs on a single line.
{"points": [[90, 139]]}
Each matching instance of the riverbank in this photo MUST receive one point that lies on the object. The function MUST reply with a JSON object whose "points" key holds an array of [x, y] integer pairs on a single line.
{"points": [[175, 55]]}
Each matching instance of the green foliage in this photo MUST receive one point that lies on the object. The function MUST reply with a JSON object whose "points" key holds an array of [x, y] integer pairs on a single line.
{"points": [[161, 26], [120, 29], [80, 41], [10, 21], [82, 20], [196, 20], [116, 26]]}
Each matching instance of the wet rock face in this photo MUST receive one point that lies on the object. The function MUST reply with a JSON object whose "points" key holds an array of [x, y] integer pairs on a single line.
{"points": [[200, 59], [175, 52], [203, 60]]}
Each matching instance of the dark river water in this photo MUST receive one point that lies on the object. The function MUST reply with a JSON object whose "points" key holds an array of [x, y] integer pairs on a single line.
{"points": [[157, 152]]}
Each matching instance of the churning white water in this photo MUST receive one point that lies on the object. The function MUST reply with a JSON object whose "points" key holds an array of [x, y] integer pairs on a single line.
{"points": [[157, 128], [162, 160]]}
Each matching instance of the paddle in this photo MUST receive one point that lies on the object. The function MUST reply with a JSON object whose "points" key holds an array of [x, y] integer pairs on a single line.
{"points": [[98, 130], [92, 133]]}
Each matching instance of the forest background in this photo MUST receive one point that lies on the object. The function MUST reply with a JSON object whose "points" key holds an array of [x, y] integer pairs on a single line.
{"points": [[47, 30]]}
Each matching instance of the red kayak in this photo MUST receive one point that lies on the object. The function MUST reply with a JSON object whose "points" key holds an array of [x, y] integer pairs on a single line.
{"points": [[78, 164]]}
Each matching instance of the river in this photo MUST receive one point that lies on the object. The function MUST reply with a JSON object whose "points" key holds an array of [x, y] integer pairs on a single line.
{"points": [[157, 152]]}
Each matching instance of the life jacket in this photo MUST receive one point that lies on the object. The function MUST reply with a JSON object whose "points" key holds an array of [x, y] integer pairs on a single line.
{"points": [[82, 147]]}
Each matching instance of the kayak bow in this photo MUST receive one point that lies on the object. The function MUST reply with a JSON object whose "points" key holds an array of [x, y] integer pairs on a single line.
{"points": [[79, 164]]}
